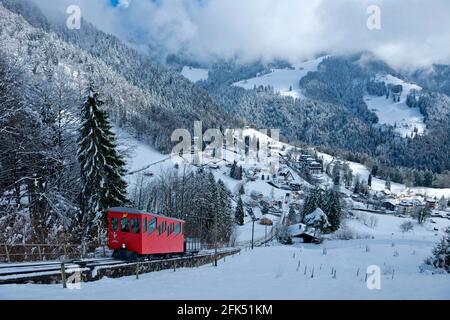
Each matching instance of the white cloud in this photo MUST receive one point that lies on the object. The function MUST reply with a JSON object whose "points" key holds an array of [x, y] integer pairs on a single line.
{"points": [[413, 33], [124, 3]]}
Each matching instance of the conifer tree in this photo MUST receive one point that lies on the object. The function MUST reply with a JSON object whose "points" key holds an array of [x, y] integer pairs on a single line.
{"points": [[388, 184], [313, 201], [102, 167], [333, 210], [239, 215]]}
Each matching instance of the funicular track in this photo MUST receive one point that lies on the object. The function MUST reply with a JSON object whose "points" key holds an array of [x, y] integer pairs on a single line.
{"points": [[94, 269]]}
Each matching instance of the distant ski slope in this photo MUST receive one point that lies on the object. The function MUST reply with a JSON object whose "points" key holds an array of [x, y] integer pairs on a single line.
{"points": [[282, 80], [397, 114], [195, 74]]}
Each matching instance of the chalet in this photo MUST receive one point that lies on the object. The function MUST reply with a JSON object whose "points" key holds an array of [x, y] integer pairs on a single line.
{"points": [[405, 207], [431, 203], [408, 207], [295, 186], [265, 221], [389, 204], [395, 92], [300, 231], [286, 175], [315, 168]]}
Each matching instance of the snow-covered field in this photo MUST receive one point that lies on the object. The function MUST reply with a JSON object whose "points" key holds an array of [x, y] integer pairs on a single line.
{"points": [[195, 74], [274, 273], [282, 80], [397, 114]]}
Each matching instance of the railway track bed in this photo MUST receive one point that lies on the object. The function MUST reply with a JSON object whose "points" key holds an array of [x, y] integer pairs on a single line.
{"points": [[95, 269]]}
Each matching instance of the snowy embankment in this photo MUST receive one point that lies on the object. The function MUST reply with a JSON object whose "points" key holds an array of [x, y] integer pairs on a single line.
{"points": [[405, 119], [274, 273], [284, 81]]}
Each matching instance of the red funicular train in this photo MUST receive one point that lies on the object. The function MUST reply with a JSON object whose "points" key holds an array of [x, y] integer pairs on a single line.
{"points": [[133, 234]]}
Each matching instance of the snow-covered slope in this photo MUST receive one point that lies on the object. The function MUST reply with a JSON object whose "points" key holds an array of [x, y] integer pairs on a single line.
{"points": [[195, 74], [397, 114], [300, 271], [283, 80]]}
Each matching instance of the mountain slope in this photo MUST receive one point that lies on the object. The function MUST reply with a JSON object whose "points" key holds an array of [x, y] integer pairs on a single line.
{"points": [[146, 97]]}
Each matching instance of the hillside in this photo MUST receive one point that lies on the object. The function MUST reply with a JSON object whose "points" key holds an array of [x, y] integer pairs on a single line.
{"points": [[147, 98]]}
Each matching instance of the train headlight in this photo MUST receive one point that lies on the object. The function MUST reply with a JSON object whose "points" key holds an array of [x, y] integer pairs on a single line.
{"points": [[124, 246]]}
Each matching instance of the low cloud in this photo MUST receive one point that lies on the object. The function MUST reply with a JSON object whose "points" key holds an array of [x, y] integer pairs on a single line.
{"points": [[414, 33]]}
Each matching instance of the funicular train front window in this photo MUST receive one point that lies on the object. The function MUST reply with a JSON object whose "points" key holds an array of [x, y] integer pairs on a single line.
{"points": [[177, 229], [136, 225], [125, 225]]}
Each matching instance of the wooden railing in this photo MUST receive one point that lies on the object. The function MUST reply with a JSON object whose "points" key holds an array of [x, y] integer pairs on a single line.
{"points": [[39, 252]]}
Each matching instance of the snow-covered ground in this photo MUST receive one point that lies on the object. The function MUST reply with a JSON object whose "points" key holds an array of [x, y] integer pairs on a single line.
{"points": [[397, 114], [274, 273], [282, 80], [195, 74]]}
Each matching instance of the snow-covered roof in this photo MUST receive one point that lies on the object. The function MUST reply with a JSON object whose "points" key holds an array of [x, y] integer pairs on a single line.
{"points": [[296, 229], [391, 201], [136, 211]]}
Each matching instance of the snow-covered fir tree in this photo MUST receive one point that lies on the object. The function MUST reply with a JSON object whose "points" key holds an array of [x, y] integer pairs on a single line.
{"points": [[102, 167], [239, 214], [333, 210], [317, 220], [441, 253]]}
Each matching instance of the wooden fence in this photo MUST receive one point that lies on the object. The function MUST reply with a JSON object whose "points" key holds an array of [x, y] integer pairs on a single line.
{"points": [[40, 252]]}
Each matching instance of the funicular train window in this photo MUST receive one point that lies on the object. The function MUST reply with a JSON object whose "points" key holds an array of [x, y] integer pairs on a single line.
{"points": [[115, 224], [160, 228], [152, 225], [125, 225], [136, 225], [144, 225], [177, 229]]}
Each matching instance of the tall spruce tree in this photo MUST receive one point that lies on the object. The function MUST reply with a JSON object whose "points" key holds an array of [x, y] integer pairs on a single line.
{"points": [[102, 167], [333, 210]]}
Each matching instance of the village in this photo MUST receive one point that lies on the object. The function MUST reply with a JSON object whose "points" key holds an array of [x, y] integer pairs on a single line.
{"points": [[273, 193]]}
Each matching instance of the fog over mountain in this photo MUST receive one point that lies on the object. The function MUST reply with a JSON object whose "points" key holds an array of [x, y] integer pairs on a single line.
{"points": [[413, 33]]}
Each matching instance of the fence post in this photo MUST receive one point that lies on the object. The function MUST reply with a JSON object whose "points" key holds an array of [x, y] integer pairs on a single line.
{"points": [[7, 253], [63, 275], [137, 270], [40, 253]]}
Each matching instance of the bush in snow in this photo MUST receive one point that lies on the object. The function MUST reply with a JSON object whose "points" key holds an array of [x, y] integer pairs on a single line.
{"points": [[441, 254], [407, 226], [367, 220]]}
